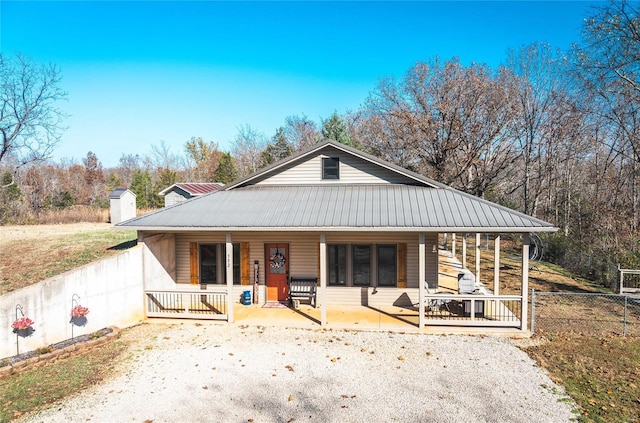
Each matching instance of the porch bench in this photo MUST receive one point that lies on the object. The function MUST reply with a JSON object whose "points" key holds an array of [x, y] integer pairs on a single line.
{"points": [[303, 287]]}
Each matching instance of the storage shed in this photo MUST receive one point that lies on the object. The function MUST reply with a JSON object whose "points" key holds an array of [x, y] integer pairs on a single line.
{"points": [[122, 205], [179, 192]]}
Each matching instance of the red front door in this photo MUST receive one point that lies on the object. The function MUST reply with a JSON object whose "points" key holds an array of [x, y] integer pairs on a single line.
{"points": [[277, 271]]}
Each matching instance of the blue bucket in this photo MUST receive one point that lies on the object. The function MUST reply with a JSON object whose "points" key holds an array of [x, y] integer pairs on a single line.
{"points": [[246, 298]]}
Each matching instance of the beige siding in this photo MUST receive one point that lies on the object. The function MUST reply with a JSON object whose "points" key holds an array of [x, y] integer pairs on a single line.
{"points": [[173, 198], [371, 297], [303, 251], [353, 170]]}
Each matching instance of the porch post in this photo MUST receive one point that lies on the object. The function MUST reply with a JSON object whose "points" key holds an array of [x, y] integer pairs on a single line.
{"points": [[453, 245], [525, 281], [421, 279], [323, 279], [496, 265], [477, 256], [464, 251], [229, 270]]}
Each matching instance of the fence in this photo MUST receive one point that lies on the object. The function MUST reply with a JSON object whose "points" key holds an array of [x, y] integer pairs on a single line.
{"points": [[628, 280], [187, 304], [584, 313], [488, 310]]}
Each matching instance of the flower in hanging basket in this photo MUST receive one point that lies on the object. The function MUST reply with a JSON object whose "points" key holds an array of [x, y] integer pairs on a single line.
{"points": [[79, 311], [22, 323]]}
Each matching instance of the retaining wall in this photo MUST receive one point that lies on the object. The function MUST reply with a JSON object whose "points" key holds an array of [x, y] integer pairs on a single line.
{"points": [[112, 289]]}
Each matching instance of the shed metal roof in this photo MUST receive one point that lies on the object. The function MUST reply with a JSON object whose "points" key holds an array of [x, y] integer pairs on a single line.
{"points": [[386, 207], [119, 192], [194, 188]]}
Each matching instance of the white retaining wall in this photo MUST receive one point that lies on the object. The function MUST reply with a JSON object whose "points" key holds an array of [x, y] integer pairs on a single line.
{"points": [[111, 288]]}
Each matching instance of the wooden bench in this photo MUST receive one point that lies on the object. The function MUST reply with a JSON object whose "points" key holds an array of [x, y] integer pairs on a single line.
{"points": [[303, 287]]}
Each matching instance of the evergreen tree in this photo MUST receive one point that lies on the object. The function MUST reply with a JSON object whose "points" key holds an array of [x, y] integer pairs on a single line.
{"points": [[226, 171], [142, 187], [278, 149], [336, 129]]}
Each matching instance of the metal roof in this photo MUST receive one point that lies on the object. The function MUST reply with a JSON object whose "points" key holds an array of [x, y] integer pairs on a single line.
{"points": [[119, 192], [385, 207], [194, 188]]}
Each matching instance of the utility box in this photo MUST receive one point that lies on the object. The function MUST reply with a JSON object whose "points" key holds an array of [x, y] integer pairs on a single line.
{"points": [[466, 283], [122, 205]]}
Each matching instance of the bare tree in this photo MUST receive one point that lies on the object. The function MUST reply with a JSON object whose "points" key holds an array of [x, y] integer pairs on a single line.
{"points": [[248, 146], [607, 65], [301, 132], [30, 122], [538, 68], [203, 158], [445, 121], [163, 157]]}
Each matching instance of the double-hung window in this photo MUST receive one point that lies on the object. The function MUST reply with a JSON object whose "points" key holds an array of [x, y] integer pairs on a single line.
{"points": [[361, 265], [337, 259], [212, 263], [387, 263]]}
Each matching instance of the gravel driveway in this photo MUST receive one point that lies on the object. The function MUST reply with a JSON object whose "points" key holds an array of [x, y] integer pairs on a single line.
{"points": [[217, 372]]}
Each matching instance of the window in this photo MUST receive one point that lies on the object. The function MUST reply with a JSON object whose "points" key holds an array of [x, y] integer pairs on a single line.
{"points": [[361, 265], [387, 265], [330, 168], [337, 265], [212, 264], [208, 263], [236, 265]]}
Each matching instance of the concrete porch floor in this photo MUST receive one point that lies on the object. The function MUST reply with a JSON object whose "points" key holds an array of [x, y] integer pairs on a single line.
{"points": [[387, 318]]}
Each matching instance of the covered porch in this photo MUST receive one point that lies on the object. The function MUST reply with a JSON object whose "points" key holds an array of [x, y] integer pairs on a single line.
{"points": [[425, 309]]}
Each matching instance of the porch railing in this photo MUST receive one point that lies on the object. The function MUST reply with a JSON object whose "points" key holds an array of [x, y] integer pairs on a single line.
{"points": [[473, 310], [630, 283], [209, 304]]}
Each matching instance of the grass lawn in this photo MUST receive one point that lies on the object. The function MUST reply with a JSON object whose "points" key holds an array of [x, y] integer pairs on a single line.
{"points": [[38, 387]]}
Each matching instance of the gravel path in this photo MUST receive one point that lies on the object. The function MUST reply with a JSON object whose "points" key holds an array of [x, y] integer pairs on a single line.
{"points": [[231, 373]]}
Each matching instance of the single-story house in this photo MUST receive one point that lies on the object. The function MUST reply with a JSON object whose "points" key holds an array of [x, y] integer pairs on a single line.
{"points": [[182, 191], [365, 229]]}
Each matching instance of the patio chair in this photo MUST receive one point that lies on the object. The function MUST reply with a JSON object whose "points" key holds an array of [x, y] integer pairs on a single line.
{"points": [[436, 304]]}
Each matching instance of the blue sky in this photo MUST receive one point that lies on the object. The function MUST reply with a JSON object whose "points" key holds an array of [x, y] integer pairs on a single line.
{"points": [[141, 73]]}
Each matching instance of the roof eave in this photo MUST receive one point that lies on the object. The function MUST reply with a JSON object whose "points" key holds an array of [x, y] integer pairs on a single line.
{"points": [[339, 229]]}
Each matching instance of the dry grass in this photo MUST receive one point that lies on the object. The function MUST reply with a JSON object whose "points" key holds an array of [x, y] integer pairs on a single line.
{"points": [[72, 215], [37, 254]]}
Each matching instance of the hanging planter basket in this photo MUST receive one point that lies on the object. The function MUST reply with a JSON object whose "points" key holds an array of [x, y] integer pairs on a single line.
{"points": [[79, 315], [23, 326]]}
